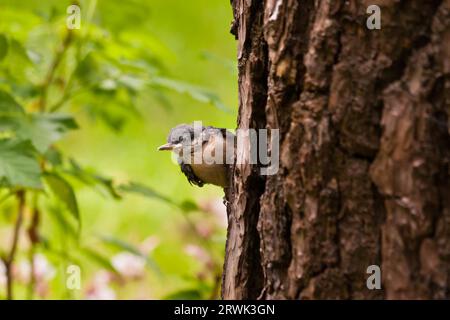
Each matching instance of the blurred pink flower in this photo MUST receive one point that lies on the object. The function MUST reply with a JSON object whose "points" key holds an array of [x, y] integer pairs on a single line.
{"points": [[216, 207], [2, 273], [129, 265], [99, 288], [197, 252], [102, 278], [149, 244], [101, 293], [43, 270], [42, 289], [21, 271], [204, 230]]}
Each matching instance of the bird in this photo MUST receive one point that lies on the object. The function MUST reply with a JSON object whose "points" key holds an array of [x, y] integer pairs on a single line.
{"points": [[204, 154]]}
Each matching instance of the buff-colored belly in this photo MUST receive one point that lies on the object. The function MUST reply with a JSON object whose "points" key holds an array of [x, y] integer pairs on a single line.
{"points": [[211, 173]]}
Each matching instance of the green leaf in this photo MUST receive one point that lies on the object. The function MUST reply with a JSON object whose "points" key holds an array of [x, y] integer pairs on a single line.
{"points": [[99, 183], [88, 70], [18, 61], [9, 106], [53, 251], [54, 157], [197, 93], [131, 82], [64, 192], [20, 54], [98, 258], [137, 188], [19, 166], [188, 206], [114, 122], [42, 129], [58, 215], [122, 245], [3, 47], [45, 129]]}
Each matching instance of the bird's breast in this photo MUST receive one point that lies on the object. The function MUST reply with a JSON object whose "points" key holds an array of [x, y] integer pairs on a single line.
{"points": [[211, 173], [209, 160]]}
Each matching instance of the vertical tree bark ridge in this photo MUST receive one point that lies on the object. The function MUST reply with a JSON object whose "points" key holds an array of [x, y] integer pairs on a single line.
{"points": [[242, 268], [411, 171], [364, 119]]}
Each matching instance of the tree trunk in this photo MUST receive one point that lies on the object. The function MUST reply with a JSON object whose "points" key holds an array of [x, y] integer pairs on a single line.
{"points": [[364, 120]]}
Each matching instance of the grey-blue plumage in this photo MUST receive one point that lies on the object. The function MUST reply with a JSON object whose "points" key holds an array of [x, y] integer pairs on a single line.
{"points": [[187, 144]]}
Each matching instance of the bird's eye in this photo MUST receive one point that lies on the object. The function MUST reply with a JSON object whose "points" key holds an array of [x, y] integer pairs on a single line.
{"points": [[184, 138]]}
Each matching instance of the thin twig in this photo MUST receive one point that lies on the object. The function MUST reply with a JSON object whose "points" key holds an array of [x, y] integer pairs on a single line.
{"points": [[33, 235], [52, 70], [9, 261]]}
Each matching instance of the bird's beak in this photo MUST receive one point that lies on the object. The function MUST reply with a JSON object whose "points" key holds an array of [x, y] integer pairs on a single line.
{"points": [[167, 146]]}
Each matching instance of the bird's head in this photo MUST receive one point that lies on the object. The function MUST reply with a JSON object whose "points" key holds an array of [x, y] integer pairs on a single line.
{"points": [[179, 137], [201, 153]]}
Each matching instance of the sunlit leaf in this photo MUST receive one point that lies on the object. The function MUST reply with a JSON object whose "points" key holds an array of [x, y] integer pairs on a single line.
{"points": [[64, 192], [18, 164]]}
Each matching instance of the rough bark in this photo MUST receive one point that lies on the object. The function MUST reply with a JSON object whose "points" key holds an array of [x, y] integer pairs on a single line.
{"points": [[364, 119]]}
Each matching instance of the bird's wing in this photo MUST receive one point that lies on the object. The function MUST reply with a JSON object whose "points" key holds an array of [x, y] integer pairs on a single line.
{"points": [[190, 175], [223, 131]]}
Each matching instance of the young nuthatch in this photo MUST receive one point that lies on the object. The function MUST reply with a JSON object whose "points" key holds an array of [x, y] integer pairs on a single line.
{"points": [[203, 153]]}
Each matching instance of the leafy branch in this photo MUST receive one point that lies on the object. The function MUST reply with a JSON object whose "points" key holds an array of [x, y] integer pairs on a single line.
{"points": [[59, 55]]}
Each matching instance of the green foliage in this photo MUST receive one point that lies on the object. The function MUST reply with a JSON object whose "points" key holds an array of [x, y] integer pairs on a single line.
{"points": [[80, 110], [195, 92], [64, 192], [8, 106], [19, 167], [3, 47], [143, 190], [41, 129], [89, 177], [188, 206]]}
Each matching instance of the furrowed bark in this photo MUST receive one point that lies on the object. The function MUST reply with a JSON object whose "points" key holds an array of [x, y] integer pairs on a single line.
{"points": [[364, 120]]}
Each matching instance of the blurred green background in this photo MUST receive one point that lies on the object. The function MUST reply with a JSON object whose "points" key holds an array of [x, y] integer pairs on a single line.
{"points": [[132, 71]]}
